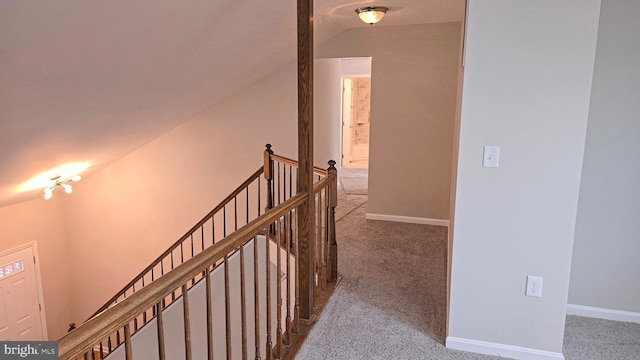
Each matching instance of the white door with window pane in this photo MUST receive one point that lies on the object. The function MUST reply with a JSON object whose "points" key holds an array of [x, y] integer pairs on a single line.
{"points": [[20, 310]]}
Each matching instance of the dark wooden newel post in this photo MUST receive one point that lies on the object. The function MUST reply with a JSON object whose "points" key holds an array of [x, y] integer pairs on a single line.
{"points": [[305, 155], [268, 175], [333, 202]]}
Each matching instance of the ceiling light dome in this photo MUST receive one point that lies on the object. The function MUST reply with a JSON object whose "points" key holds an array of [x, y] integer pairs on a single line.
{"points": [[371, 14]]}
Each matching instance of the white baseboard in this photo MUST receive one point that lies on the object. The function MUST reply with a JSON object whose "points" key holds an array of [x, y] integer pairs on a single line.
{"points": [[408, 219], [508, 351], [600, 313]]}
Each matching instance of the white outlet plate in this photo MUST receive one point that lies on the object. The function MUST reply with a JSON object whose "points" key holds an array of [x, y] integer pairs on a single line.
{"points": [[534, 286]]}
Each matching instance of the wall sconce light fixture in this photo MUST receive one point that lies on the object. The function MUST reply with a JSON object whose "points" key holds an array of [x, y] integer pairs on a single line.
{"points": [[371, 14], [57, 181]]}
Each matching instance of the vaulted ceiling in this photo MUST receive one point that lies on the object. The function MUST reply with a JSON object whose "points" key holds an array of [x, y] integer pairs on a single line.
{"points": [[90, 81]]}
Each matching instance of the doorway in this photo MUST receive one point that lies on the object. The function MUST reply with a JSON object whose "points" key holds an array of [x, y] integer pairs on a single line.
{"points": [[356, 103], [21, 312]]}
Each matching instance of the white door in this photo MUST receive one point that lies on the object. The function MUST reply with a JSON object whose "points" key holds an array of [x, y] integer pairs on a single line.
{"points": [[20, 315], [347, 109], [356, 105], [360, 119]]}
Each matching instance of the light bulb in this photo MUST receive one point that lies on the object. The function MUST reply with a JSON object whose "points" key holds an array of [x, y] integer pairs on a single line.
{"points": [[48, 192], [67, 188]]}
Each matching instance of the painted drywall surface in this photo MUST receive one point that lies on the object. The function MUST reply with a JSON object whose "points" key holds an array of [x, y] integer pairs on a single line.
{"points": [[527, 81], [44, 223], [327, 109], [355, 67], [413, 92], [126, 215], [454, 165], [605, 267]]}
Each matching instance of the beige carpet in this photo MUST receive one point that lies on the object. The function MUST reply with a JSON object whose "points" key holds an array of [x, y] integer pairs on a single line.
{"points": [[354, 185], [597, 339], [390, 303]]}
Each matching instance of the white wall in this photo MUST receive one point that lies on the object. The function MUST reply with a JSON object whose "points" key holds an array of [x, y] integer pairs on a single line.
{"points": [[125, 216], [45, 223], [526, 88], [605, 268], [355, 67], [413, 93], [327, 111]]}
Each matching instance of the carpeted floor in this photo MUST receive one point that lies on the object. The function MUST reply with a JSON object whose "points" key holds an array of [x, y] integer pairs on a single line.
{"points": [[391, 301], [354, 181], [597, 339], [354, 185]]}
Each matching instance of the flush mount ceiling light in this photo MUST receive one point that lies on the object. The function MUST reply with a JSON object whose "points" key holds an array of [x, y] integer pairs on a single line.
{"points": [[371, 14], [57, 181]]}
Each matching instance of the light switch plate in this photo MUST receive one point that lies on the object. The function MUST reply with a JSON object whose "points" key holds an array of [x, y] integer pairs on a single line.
{"points": [[491, 157]]}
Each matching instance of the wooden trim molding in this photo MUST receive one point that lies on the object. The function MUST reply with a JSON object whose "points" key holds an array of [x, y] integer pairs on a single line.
{"points": [[408, 219]]}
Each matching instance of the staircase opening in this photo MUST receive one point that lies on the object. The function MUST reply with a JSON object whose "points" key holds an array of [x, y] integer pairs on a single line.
{"points": [[232, 285]]}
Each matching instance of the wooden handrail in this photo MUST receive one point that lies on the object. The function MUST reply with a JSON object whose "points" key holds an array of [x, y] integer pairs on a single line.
{"points": [[294, 163], [208, 216], [121, 315], [175, 245], [324, 183], [82, 339]]}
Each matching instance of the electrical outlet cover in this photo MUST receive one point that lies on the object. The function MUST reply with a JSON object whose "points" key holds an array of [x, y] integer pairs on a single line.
{"points": [[534, 286]]}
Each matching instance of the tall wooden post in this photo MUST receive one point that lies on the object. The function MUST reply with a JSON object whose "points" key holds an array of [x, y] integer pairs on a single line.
{"points": [[331, 228], [268, 175], [305, 155]]}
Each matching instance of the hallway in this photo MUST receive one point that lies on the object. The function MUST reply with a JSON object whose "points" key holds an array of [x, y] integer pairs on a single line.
{"points": [[391, 302]]}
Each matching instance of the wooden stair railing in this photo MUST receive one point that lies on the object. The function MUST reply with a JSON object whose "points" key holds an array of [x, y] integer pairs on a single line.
{"points": [[176, 255], [281, 173], [279, 178], [282, 205], [157, 296]]}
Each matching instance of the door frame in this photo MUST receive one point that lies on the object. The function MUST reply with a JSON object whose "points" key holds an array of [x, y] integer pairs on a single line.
{"points": [[345, 118], [348, 120], [34, 250]]}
